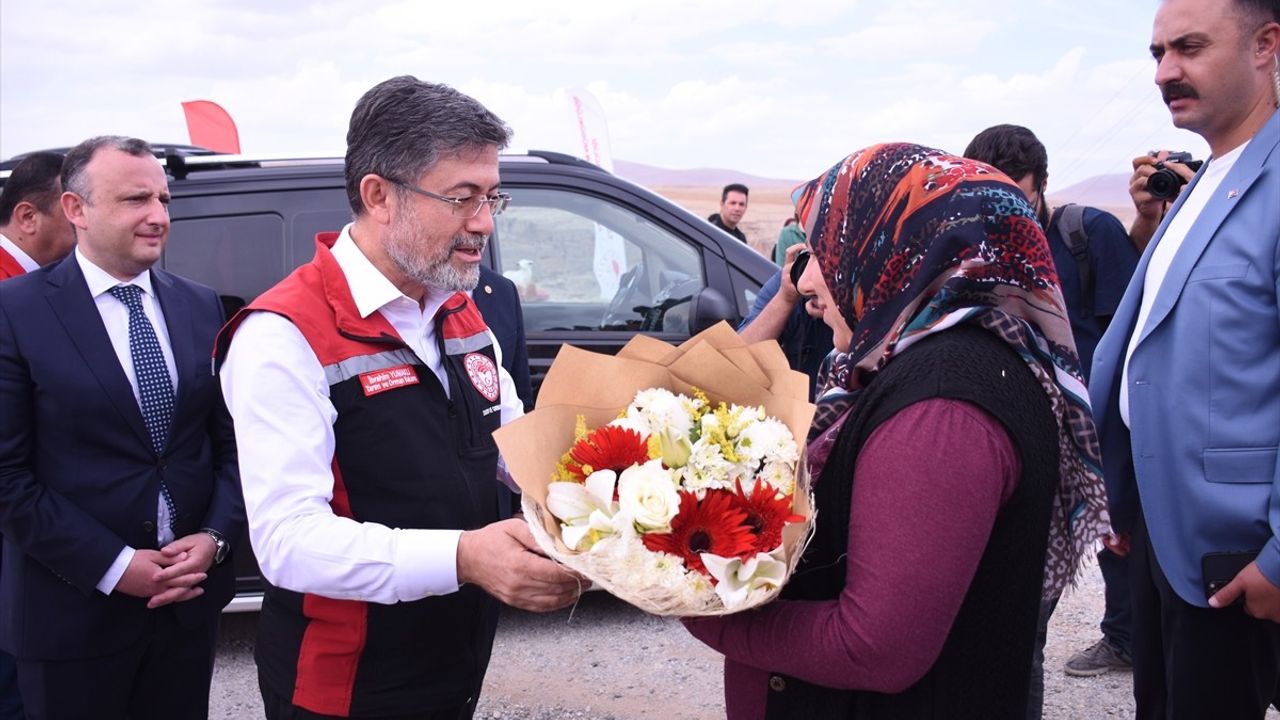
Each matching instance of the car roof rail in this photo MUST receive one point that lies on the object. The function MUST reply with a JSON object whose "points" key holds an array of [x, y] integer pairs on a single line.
{"points": [[182, 160], [180, 166], [559, 158]]}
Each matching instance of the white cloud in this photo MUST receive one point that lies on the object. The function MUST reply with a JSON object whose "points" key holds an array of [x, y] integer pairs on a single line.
{"points": [[774, 89]]}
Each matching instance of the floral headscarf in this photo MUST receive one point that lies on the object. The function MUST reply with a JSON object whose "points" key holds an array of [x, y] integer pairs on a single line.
{"points": [[912, 241]]}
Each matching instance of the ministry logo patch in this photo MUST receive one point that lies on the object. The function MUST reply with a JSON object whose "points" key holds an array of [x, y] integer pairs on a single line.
{"points": [[483, 374]]}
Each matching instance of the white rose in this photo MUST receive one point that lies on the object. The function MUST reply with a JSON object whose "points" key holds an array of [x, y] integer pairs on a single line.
{"points": [[648, 494]]}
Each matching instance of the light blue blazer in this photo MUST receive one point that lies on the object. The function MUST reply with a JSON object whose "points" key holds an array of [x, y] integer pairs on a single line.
{"points": [[1204, 383]]}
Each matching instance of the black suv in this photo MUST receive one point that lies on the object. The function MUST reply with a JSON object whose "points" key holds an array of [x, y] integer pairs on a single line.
{"points": [[598, 258]]}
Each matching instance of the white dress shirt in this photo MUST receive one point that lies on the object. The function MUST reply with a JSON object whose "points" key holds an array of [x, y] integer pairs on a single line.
{"points": [[24, 260], [115, 318], [1166, 249], [276, 390]]}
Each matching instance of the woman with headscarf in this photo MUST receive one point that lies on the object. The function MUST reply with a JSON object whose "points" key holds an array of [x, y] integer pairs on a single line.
{"points": [[953, 451]]}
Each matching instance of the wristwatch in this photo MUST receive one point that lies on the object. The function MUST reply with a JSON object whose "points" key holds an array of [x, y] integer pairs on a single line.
{"points": [[221, 546]]}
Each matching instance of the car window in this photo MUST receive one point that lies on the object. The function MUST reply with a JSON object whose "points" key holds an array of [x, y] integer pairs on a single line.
{"points": [[237, 256], [746, 291], [583, 262]]}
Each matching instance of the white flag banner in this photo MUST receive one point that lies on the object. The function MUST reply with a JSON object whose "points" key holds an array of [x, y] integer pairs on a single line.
{"points": [[592, 130], [610, 257]]}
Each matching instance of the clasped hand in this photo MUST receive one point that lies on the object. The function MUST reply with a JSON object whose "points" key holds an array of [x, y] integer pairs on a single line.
{"points": [[171, 574]]}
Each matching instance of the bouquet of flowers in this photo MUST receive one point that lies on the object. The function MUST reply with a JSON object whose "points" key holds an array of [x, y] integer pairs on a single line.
{"points": [[689, 496]]}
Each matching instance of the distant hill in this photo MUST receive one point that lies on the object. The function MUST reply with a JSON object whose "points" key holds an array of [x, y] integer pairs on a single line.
{"points": [[1100, 191], [1109, 192], [651, 176]]}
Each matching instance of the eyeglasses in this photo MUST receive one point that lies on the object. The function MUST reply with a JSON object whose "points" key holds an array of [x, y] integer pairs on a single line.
{"points": [[798, 266], [464, 207]]}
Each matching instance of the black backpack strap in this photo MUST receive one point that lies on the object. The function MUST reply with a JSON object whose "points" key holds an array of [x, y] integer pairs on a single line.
{"points": [[1071, 227]]}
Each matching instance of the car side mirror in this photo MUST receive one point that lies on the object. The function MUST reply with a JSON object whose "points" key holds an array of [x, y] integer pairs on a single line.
{"points": [[709, 307]]}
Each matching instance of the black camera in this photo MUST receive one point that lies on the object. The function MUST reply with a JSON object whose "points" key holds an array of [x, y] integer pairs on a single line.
{"points": [[1165, 183]]}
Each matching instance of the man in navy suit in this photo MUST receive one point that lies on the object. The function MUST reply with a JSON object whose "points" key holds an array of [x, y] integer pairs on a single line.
{"points": [[499, 303], [1186, 382], [118, 481]]}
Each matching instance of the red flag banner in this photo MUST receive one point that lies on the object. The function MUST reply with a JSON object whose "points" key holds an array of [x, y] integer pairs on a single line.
{"points": [[210, 126]]}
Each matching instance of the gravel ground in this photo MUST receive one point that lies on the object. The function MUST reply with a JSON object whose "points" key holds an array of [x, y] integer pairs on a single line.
{"points": [[647, 667]]}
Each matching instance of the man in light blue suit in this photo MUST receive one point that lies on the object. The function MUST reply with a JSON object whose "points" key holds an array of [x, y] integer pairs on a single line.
{"points": [[1186, 381]]}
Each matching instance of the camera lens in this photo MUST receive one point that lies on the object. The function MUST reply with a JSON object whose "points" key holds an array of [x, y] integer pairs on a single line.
{"points": [[1164, 183]]}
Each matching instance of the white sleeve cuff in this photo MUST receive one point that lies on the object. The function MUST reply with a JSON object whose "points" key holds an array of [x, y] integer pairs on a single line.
{"points": [[426, 563], [112, 578]]}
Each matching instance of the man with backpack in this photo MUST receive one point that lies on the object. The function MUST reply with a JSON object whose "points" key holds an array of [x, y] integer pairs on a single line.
{"points": [[1095, 260]]}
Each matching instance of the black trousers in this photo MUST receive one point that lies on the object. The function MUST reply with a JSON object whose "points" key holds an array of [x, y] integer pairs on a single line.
{"points": [[1193, 662], [280, 708], [164, 675]]}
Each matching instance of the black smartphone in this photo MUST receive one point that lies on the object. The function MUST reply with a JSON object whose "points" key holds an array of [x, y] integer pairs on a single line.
{"points": [[1220, 568]]}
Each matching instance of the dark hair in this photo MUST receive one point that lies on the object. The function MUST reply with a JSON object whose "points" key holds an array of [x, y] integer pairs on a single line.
{"points": [[79, 156], [733, 187], [33, 180], [1256, 12], [403, 126], [1013, 150]]}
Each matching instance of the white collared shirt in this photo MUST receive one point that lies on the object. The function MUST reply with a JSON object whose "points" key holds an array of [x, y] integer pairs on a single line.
{"points": [[115, 318], [1166, 249], [24, 260], [276, 390]]}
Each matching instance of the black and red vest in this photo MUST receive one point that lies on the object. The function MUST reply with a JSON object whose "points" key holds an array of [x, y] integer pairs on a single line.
{"points": [[407, 456], [9, 266]]}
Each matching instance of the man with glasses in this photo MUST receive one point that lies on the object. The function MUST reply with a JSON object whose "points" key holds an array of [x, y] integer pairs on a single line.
{"points": [[365, 388]]}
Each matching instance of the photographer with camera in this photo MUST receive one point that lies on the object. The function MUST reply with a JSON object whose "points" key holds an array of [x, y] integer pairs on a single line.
{"points": [[1185, 387], [1171, 170]]}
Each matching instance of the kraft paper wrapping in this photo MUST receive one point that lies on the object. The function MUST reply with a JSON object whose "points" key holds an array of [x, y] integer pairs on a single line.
{"points": [[598, 387]]}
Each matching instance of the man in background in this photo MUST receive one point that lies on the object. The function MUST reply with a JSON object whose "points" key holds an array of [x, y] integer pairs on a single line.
{"points": [[119, 487], [733, 205], [1094, 259], [33, 229], [33, 232]]}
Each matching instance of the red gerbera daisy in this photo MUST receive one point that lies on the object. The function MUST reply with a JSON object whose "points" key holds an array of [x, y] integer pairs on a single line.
{"points": [[714, 526], [766, 515], [608, 447]]}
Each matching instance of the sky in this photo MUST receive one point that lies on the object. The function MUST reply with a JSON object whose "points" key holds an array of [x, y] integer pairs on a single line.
{"points": [[779, 89]]}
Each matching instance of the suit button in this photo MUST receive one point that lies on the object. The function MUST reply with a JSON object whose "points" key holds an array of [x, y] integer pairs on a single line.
{"points": [[148, 526], [777, 683]]}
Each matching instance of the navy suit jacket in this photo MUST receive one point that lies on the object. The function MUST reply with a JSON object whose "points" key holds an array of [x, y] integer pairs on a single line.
{"points": [[499, 303], [1204, 383], [79, 479]]}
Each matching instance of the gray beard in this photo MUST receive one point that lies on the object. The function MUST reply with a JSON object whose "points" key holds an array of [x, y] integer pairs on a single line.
{"points": [[435, 272]]}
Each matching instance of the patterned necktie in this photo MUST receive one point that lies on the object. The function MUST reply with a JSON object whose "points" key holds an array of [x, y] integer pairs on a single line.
{"points": [[155, 389]]}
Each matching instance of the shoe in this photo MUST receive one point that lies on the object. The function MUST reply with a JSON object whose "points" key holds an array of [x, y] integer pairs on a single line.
{"points": [[1097, 659]]}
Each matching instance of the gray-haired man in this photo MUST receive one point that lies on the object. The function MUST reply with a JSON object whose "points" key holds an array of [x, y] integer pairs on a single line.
{"points": [[365, 388]]}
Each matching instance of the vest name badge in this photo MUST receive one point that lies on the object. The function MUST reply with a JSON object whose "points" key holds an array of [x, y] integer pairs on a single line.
{"points": [[483, 374], [378, 381]]}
